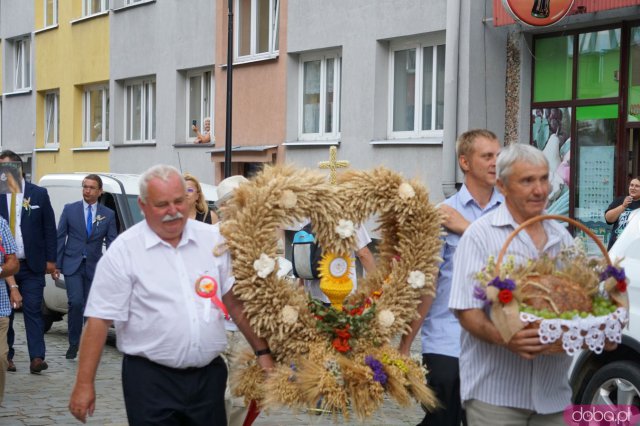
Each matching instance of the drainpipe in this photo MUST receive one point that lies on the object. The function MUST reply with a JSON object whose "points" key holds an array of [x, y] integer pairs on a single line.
{"points": [[449, 160]]}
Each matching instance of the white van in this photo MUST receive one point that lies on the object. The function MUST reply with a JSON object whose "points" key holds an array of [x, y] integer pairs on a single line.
{"points": [[613, 378], [120, 194]]}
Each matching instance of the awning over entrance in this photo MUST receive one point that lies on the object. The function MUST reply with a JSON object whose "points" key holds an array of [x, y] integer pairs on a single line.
{"points": [[259, 154], [502, 17]]}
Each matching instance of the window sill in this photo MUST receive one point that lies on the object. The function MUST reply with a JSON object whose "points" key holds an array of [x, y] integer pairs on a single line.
{"points": [[131, 6], [133, 145], [48, 149], [253, 58], [311, 144], [100, 147], [18, 92], [45, 29], [193, 145], [89, 17], [437, 141]]}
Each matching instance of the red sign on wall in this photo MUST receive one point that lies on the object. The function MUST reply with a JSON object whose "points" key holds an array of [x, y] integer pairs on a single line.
{"points": [[503, 16], [538, 13]]}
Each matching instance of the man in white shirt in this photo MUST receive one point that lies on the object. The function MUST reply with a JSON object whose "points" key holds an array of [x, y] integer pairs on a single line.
{"points": [[163, 287]]}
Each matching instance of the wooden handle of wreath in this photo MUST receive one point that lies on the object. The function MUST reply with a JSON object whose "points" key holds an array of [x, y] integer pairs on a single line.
{"points": [[547, 217]]}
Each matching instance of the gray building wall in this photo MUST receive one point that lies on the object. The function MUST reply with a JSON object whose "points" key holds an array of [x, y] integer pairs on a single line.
{"points": [[163, 39], [18, 110], [363, 30]]}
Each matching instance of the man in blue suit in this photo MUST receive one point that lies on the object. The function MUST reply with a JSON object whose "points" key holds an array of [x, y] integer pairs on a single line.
{"points": [[35, 235], [84, 226]]}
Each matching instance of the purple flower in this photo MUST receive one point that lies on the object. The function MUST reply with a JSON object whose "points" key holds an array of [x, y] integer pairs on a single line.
{"points": [[378, 371], [479, 293], [505, 284], [611, 271]]}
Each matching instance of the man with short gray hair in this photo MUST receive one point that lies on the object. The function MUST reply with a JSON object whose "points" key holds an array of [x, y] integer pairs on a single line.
{"points": [[519, 382], [167, 294]]}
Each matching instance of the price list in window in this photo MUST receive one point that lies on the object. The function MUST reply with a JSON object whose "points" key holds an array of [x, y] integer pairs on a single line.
{"points": [[595, 189]]}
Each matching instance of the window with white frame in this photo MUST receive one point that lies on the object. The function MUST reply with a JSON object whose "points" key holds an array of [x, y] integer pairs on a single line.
{"points": [[51, 118], [50, 13], [91, 7], [416, 90], [319, 96], [199, 100], [140, 110], [22, 63], [96, 114], [257, 22]]}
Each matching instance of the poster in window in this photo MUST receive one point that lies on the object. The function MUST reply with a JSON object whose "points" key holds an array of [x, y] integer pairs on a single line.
{"points": [[595, 189], [551, 133]]}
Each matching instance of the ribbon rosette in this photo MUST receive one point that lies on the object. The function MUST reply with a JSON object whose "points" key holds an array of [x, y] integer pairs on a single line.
{"points": [[207, 288]]}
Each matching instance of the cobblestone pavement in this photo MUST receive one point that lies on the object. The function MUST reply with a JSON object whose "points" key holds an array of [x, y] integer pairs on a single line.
{"points": [[32, 399]]}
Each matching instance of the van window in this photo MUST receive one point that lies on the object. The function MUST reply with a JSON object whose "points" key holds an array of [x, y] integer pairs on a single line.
{"points": [[136, 214]]}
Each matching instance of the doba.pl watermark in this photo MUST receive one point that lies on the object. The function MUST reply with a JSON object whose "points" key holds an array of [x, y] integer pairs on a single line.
{"points": [[599, 415]]}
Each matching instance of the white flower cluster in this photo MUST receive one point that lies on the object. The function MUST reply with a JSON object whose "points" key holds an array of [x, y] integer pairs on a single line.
{"points": [[386, 318], [406, 191], [289, 314], [264, 265], [416, 279], [345, 228]]}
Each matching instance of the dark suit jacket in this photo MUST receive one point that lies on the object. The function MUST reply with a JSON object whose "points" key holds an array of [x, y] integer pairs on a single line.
{"points": [[38, 226], [73, 242]]}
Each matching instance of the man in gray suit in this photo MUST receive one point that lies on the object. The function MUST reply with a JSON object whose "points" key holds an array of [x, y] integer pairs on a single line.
{"points": [[84, 226]]}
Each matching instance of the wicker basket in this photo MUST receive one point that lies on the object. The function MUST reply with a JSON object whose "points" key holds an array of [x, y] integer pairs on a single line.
{"points": [[504, 317]]}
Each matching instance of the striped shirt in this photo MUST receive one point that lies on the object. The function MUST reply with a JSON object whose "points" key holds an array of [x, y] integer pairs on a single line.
{"points": [[9, 245], [490, 373]]}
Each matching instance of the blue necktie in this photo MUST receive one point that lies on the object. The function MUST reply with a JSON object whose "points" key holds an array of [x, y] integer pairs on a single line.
{"points": [[89, 221]]}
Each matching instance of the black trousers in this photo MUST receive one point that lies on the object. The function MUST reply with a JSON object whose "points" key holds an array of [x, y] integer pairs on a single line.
{"points": [[163, 396], [444, 378]]}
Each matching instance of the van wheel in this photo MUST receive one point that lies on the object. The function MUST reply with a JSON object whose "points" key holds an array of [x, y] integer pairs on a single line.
{"points": [[617, 383]]}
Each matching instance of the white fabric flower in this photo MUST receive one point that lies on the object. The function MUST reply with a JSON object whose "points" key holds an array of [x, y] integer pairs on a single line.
{"points": [[386, 318], [345, 228], [406, 191], [264, 265], [289, 314], [416, 279], [288, 199]]}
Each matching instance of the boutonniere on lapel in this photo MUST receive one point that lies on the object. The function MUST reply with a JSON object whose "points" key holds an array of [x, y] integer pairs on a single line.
{"points": [[98, 219], [26, 204]]}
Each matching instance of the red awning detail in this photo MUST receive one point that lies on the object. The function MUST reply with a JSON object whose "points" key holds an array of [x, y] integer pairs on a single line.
{"points": [[502, 17]]}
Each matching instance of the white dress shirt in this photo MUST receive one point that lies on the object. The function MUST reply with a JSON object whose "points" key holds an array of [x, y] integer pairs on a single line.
{"points": [[491, 373], [18, 236], [147, 287], [94, 212]]}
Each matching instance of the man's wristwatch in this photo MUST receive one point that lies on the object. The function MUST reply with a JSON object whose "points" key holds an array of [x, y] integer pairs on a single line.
{"points": [[12, 286], [263, 352]]}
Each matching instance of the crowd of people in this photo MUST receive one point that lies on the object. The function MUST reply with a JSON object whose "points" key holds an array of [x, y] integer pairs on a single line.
{"points": [[176, 373]]}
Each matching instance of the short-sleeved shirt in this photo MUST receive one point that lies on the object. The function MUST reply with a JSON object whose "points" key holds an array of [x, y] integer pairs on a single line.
{"points": [[491, 373], [621, 223], [148, 288], [441, 329], [313, 286], [9, 246]]}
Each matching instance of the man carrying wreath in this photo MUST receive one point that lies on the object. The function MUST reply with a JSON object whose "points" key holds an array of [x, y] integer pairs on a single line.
{"points": [[520, 382], [168, 295]]}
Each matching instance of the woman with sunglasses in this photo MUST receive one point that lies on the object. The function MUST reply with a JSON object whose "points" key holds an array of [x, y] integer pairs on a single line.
{"points": [[198, 208]]}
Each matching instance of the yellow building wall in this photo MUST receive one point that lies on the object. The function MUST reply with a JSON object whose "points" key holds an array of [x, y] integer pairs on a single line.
{"points": [[66, 59]]}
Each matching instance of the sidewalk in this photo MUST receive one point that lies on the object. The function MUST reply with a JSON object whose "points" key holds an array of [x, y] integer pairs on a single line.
{"points": [[32, 399]]}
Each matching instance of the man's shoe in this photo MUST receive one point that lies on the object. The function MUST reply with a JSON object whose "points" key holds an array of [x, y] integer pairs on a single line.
{"points": [[37, 365], [11, 366], [72, 352]]}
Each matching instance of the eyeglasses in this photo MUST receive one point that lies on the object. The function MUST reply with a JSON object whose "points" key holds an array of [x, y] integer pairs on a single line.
{"points": [[191, 190], [91, 188]]}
